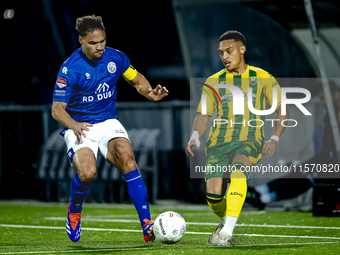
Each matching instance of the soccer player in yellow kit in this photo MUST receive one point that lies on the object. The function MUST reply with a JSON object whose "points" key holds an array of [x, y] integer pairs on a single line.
{"points": [[238, 140]]}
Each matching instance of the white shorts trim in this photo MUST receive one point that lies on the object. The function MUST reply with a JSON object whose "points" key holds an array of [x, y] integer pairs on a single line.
{"points": [[98, 136]]}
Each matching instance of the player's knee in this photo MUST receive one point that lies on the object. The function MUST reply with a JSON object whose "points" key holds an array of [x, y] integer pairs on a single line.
{"points": [[121, 155], [86, 175], [214, 186], [128, 162]]}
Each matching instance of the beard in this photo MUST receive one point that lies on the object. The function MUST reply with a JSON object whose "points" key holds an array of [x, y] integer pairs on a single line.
{"points": [[97, 55]]}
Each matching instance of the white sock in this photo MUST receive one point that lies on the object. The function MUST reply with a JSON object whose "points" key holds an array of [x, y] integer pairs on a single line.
{"points": [[229, 224], [223, 221]]}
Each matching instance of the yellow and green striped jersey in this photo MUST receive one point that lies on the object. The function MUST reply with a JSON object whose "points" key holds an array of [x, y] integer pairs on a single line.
{"points": [[239, 127]]}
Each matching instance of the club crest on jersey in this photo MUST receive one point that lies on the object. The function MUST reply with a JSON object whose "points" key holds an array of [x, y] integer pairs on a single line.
{"points": [[111, 67], [61, 82], [252, 80]]}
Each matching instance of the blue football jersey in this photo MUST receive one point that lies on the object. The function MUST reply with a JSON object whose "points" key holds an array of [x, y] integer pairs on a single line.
{"points": [[89, 87]]}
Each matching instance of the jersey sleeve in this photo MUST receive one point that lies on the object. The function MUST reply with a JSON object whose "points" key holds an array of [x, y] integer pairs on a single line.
{"points": [[269, 82], [128, 71], [63, 88], [210, 103]]}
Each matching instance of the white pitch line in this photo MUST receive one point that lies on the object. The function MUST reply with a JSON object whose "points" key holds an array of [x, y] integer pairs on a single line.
{"points": [[198, 223], [259, 235], [304, 237], [72, 251], [284, 226], [154, 248], [134, 230], [278, 244], [63, 228], [93, 219], [154, 215]]}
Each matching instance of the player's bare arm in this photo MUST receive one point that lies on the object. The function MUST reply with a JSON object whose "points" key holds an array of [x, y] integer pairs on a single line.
{"points": [[199, 128], [269, 147], [144, 88], [59, 114]]}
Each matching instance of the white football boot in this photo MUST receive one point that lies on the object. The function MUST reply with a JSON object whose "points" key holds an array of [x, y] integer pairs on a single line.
{"points": [[213, 239], [224, 239]]}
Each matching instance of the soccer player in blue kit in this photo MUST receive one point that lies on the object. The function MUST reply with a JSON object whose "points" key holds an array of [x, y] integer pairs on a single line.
{"points": [[84, 103]]}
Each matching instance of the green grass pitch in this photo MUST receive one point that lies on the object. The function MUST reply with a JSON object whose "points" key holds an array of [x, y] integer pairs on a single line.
{"points": [[39, 228]]}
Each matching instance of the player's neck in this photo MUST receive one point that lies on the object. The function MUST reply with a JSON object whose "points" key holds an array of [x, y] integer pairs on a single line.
{"points": [[85, 56], [239, 69]]}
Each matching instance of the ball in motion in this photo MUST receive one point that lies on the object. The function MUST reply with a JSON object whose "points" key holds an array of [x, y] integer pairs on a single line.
{"points": [[169, 227]]}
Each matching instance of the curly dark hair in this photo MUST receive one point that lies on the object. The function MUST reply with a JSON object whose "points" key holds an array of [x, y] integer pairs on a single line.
{"points": [[232, 34], [89, 24]]}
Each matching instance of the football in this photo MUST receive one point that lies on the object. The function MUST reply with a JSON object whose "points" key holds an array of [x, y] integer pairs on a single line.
{"points": [[169, 227]]}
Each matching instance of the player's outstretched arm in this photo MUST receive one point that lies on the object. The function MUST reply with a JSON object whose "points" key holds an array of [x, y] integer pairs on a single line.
{"points": [[199, 128], [60, 114], [144, 88], [269, 146]]}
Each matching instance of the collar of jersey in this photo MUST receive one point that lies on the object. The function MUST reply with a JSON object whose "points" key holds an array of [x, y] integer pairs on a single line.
{"points": [[89, 61]]}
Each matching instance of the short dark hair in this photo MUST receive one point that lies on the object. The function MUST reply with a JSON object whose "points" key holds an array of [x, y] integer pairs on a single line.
{"points": [[232, 34], [89, 24]]}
